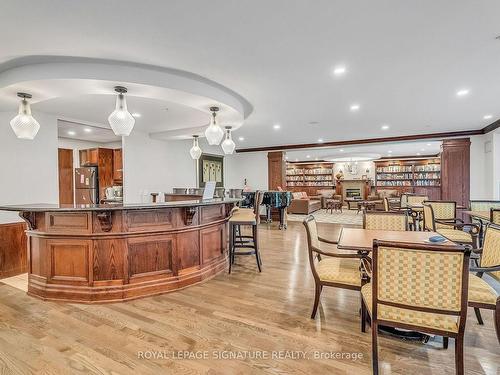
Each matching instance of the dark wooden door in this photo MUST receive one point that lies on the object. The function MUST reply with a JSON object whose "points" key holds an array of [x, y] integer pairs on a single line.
{"points": [[66, 194], [455, 171]]}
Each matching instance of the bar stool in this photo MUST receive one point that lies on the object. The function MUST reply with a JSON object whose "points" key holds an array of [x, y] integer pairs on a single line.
{"points": [[245, 217]]}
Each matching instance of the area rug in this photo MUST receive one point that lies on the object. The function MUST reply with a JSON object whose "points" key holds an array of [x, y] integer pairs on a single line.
{"points": [[337, 217]]}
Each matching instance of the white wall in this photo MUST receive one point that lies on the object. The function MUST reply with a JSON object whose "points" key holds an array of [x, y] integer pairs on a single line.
{"points": [[76, 145], [485, 166], [158, 166], [28, 168]]}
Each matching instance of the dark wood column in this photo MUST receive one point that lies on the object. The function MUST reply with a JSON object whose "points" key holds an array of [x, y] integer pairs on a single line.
{"points": [[455, 170], [276, 166]]}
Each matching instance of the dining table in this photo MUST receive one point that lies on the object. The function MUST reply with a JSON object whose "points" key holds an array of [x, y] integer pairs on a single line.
{"points": [[361, 240]]}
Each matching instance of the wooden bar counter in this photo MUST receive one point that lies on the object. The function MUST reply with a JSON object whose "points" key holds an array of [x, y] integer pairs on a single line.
{"points": [[108, 253]]}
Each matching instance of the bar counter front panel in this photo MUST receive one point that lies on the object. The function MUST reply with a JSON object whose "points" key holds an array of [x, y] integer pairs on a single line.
{"points": [[103, 253]]}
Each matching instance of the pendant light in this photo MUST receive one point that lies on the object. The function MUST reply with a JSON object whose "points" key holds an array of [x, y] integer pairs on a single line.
{"points": [[228, 145], [120, 120], [214, 133], [24, 124], [195, 150]]}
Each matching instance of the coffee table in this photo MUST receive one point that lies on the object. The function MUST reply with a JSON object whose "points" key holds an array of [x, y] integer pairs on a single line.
{"points": [[332, 204], [366, 205]]}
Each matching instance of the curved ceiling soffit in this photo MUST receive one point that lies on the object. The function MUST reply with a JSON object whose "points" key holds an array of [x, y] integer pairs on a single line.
{"points": [[98, 76]]}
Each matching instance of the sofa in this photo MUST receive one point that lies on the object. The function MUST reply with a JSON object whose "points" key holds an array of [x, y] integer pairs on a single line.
{"points": [[326, 194], [303, 204], [380, 194]]}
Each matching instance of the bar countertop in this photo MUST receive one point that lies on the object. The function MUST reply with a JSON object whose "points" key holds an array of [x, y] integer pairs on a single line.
{"points": [[47, 207]]}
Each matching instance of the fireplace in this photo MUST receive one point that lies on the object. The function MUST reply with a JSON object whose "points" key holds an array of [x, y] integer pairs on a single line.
{"points": [[353, 193]]}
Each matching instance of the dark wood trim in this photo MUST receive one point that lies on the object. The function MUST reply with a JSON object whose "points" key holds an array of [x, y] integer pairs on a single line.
{"points": [[13, 249], [412, 157], [464, 133], [493, 126]]}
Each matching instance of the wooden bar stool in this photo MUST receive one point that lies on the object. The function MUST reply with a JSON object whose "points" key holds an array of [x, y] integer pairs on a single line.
{"points": [[245, 217]]}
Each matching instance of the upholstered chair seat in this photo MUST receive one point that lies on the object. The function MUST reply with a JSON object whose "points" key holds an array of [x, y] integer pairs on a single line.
{"points": [[481, 292], [455, 235], [339, 270], [416, 318]]}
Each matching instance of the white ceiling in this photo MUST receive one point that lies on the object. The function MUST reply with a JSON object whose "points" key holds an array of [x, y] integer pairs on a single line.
{"points": [[84, 132], [389, 149], [405, 60]]}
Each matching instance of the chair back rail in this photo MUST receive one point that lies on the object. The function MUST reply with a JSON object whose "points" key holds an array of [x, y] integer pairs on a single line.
{"points": [[381, 220]]}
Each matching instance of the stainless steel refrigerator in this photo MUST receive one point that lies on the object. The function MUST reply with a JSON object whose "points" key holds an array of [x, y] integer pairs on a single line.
{"points": [[86, 185]]}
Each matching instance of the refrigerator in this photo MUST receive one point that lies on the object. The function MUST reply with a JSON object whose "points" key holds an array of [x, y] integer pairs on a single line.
{"points": [[86, 185]]}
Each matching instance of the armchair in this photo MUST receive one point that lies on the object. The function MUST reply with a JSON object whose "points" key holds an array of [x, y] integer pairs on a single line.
{"points": [[330, 269]]}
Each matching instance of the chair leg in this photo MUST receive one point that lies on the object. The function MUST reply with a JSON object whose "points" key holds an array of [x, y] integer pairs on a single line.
{"points": [[496, 319], [445, 342], [317, 294], [375, 348], [231, 245], [256, 246], [459, 355], [478, 315], [363, 316]]}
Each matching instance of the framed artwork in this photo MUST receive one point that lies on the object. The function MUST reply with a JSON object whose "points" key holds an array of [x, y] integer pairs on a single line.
{"points": [[211, 168]]}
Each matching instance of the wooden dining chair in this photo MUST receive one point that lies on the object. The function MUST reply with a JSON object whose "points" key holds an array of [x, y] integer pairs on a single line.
{"points": [[417, 287], [487, 259], [380, 220], [447, 226], [416, 214], [495, 215], [330, 269]]}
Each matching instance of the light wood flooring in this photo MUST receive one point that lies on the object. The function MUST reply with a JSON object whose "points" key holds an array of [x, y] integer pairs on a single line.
{"points": [[230, 314]]}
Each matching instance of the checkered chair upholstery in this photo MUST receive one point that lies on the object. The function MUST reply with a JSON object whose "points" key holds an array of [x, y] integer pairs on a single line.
{"points": [[490, 255], [476, 205], [417, 199], [419, 287], [447, 231], [443, 211], [385, 221], [495, 216]]}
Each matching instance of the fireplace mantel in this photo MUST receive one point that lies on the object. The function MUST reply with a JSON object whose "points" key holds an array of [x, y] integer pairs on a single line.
{"points": [[363, 185]]}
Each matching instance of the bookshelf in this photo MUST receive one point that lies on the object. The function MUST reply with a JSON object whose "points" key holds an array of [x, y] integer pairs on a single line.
{"points": [[309, 177], [419, 176]]}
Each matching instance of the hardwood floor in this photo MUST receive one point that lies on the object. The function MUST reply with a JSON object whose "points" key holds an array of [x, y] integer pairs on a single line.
{"points": [[231, 314]]}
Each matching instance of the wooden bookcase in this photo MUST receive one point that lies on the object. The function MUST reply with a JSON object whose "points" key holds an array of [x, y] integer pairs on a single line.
{"points": [[419, 176], [309, 177]]}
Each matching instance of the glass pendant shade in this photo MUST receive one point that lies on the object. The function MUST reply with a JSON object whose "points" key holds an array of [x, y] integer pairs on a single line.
{"points": [[228, 145], [195, 150], [214, 133], [120, 120], [24, 124]]}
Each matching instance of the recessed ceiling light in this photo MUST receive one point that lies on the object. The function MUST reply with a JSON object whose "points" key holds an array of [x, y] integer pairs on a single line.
{"points": [[71, 132], [315, 158], [354, 107], [385, 127], [308, 156], [320, 140], [339, 70], [487, 117], [428, 144], [276, 126], [390, 151], [135, 114], [418, 153], [241, 138], [286, 157], [296, 159], [462, 92], [87, 130], [341, 150]]}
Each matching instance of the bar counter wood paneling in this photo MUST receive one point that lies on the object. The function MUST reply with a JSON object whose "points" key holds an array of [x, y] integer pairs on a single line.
{"points": [[114, 253], [13, 249]]}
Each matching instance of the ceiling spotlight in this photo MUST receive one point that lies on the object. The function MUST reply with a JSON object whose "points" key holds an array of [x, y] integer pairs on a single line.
{"points": [[320, 140], [228, 145], [276, 126], [418, 154], [316, 159], [24, 124], [385, 127], [428, 144], [136, 115], [354, 107], [487, 117], [296, 159], [241, 138], [286, 157], [195, 151], [308, 156], [71, 132], [389, 152], [422, 149], [462, 92], [87, 130], [120, 120], [214, 133], [341, 150], [339, 70]]}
